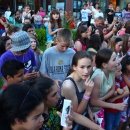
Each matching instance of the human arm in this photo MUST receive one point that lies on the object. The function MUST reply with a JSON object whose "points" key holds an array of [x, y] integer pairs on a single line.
{"points": [[25, 14], [89, 31], [3, 23], [69, 92], [82, 120], [50, 30], [96, 101], [120, 91], [78, 45]]}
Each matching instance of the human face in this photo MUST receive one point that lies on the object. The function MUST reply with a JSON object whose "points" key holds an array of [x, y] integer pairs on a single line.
{"points": [[118, 72], [26, 9], [128, 70], [62, 46], [85, 34], [26, 21], [97, 32], [18, 78], [96, 6], [30, 30], [83, 68], [35, 119], [117, 9], [8, 45], [112, 63], [99, 23], [33, 44], [55, 16], [52, 97], [111, 6], [104, 31], [118, 46], [129, 6]]}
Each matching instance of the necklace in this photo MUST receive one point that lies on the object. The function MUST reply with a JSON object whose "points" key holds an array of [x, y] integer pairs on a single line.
{"points": [[16, 58]]}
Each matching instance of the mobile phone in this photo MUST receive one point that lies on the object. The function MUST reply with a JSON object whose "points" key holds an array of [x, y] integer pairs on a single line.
{"points": [[65, 111]]}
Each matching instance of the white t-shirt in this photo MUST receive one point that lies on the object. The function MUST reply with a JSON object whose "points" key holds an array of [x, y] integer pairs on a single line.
{"points": [[7, 14], [84, 14], [27, 16]]}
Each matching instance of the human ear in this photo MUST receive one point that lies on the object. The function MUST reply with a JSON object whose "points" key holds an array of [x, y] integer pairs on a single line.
{"points": [[8, 78], [18, 121], [104, 65], [74, 67]]}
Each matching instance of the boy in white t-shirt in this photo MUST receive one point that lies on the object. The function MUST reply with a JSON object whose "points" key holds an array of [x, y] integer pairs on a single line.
{"points": [[46, 20], [84, 14]]}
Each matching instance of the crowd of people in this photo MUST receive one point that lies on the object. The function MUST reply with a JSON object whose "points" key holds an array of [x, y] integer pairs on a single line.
{"points": [[92, 70]]}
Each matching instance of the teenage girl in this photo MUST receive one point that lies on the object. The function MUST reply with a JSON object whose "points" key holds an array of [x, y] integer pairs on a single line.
{"points": [[37, 52], [22, 109], [54, 25], [78, 86], [126, 43], [81, 39], [50, 95], [116, 44], [104, 82]]}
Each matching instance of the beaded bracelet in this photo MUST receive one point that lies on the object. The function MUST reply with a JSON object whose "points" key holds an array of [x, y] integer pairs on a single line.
{"points": [[86, 97]]}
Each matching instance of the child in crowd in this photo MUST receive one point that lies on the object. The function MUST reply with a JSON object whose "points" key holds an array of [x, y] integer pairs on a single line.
{"points": [[20, 51], [5, 44], [113, 116], [14, 74], [46, 20], [81, 39], [26, 13], [104, 83], [126, 44], [21, 108], [56, 60], [54, 26], [37, 52], [116, 44]]}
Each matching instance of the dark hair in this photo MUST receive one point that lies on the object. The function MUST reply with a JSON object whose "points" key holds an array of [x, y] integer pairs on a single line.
{"points": [[95, 42], [12, 29], [54, 11], [18, 101], [110, 3], [81, 29], [103, 56], [100, 33], [13, 66], [3, 40], [127, 6], [44, 85], [92, 53], [77, 56], [96, 4], [127, 30], [27, 26], [124, 62], [1, 13]]}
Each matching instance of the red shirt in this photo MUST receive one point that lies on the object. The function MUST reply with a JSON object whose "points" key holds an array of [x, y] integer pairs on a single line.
{"points": [[119, 84], [4, 87], [2, 26]]}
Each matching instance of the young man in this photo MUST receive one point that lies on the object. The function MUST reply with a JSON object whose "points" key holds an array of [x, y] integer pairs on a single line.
{"points": [[57, 60], [110, 13], [84, 14], [13, 72]]}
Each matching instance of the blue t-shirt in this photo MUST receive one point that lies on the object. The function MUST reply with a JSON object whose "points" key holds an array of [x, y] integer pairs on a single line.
{"points": [[28, 59]]}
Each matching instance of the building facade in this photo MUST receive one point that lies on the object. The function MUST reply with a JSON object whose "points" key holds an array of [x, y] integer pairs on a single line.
{"points": [[68, 5]]}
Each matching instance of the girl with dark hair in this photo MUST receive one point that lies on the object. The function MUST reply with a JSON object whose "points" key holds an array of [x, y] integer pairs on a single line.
{"points": [[81, 39], [5, 44], [99, 31], [54, 25], [95, 43], [104, 83], [49, 91], [21, 108]]}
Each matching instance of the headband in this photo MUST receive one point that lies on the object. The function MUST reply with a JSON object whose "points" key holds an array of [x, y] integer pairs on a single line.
{"points": [[118, 39]]}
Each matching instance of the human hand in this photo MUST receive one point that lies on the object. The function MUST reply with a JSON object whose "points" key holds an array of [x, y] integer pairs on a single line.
{"points": [[29, 76], [120, 106], [89, 84], [57, 83]]}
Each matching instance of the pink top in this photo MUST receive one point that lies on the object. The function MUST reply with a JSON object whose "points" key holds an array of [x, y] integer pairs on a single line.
{"points": [[83, 46], [42, 14], [121, 32]]}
